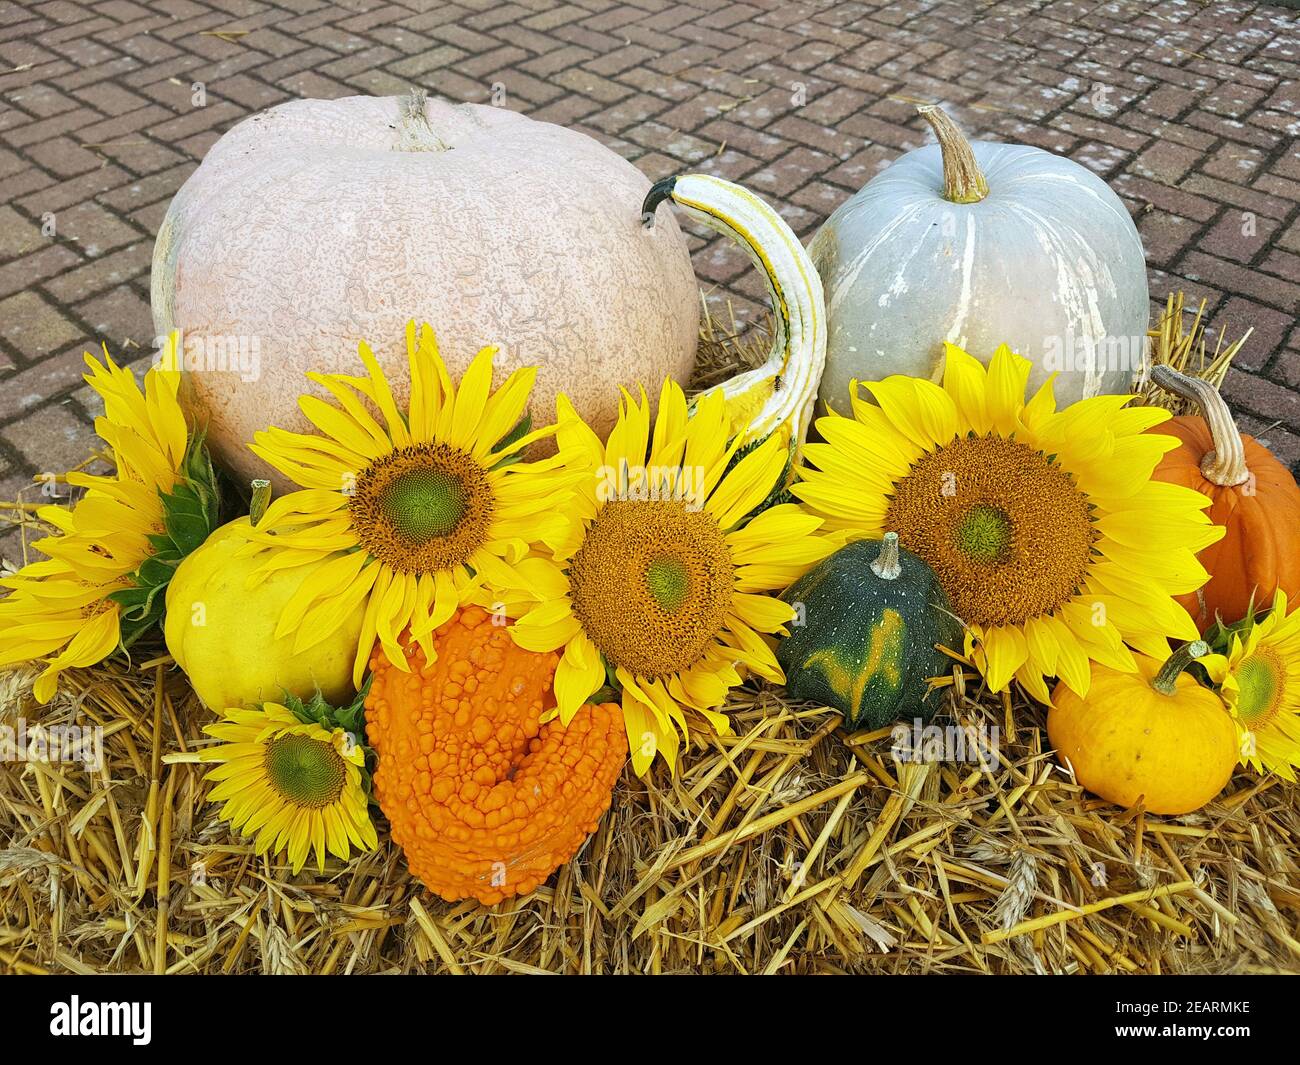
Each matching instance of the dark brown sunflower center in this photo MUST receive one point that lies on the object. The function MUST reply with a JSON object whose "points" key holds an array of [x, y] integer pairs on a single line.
{"points": [[651, 585], [1005, 528], [422, 508], [304, 771]]}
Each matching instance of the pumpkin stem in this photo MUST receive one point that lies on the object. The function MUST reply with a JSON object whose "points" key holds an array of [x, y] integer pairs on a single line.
{"points": [[1226, 464], [963, 180], [414, 134], [260, 501], [887, 567], [1166, 681]]}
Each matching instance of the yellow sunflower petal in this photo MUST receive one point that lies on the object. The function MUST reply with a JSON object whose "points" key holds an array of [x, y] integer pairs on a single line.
{"points": [[580, 673]]}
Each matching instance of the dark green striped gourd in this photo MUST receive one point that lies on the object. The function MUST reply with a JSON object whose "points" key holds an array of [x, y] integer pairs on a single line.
{"points": [[864, 639]]}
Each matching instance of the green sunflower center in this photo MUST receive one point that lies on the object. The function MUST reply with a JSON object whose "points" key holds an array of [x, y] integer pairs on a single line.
{"points": [[668, 582], [423, 505], [651, 585], [304, 771], [1006, 529], [985, 534], [1259, 688], [423, 508]]}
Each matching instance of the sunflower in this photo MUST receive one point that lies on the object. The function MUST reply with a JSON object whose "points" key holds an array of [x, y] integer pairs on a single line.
{"points": [[1260, 678], [412, 513], [295, 784], [660, 584], [68, 609], [1044, 527]]}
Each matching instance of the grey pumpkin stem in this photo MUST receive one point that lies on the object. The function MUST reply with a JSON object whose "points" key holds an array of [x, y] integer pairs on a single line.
{"points": [[887, 566], [1166, 681], [1226, 464], [260, 501], [414, 134], [963, 180]]}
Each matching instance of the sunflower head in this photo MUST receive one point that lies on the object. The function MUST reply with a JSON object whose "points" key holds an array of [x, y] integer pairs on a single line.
{"points": [[1260, 678], [423, 508], [294, 785], [1005, 526], [114, 550], [411, 511], [651, 584], [662, 583], [1045, 527]]}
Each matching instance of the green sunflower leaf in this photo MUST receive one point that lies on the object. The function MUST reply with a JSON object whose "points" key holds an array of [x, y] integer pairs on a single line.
{"points": [[1219, 635], [154, 573], [522, 428], [185, 518], [130, 631], [780, 490], [190, 512], [135, 602], [318, 711]]}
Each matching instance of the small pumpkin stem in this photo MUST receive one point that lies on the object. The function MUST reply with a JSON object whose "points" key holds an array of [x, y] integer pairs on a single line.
{"points": [[1226, 464], [887, 567], [1166, 682], [260, 501], [414, 134], [963, 180]]}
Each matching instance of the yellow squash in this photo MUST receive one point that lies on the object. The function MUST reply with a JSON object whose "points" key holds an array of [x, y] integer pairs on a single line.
{"points": [[1154, 735], [222, 632]]}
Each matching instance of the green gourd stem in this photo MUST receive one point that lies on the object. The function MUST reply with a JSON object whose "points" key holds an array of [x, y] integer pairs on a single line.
{"points": [[1226, 464], [887, 567], [963, 181], [260, 501], [1166, 681], [414, 134]]}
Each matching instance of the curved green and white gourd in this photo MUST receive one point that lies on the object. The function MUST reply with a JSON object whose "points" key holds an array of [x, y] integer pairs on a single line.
{"points": [[980, 244], [778, 396]]}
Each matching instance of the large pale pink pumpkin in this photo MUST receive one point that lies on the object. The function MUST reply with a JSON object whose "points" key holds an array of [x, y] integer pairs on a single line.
{"points": [[321, 223]]}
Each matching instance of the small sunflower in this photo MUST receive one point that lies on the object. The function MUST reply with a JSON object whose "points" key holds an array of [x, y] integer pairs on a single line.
{"points": [[295, 784], [661, 585], [412, 513], [1260, 678], [88, 597], [1045, 527]]}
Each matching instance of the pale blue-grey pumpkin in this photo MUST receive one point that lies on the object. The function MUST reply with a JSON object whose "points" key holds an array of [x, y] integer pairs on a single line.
{"points": [[981, 244]]}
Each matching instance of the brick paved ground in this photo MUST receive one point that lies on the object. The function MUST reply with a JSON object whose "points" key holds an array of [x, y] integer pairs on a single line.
{"points": [[1189, 109]]}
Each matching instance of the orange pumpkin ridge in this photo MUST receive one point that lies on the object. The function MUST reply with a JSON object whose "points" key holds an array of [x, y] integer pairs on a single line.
{"points": [[485, 799], [1252, 495]]}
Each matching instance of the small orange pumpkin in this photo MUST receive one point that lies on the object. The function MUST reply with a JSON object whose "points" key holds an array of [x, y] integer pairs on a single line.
{"points": [[1253, 496], [1154, 736], [485, 799]]}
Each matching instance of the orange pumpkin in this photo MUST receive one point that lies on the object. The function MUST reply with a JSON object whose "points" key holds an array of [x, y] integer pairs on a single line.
{"points": [[1252, 495], [1154, 736], [484, 798]]}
